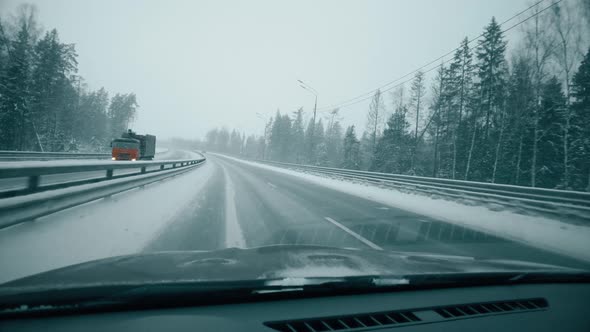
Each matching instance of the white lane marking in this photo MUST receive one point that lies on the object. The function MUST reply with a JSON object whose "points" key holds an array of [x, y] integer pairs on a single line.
{"points": [[382, 208], [355, 235], [233, 232], [271, 185]]}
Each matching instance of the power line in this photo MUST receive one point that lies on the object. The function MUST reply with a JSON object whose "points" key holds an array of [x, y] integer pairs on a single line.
{"points": [[369, 94]]}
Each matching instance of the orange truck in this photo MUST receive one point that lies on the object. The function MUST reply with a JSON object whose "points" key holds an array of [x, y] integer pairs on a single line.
{"points": [[132, 146]]}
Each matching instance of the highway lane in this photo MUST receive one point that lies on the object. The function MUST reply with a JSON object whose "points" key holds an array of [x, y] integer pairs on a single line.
{"points": [[247, 206]]}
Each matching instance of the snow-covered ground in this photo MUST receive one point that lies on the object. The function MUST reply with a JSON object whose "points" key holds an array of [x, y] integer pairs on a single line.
{"points": [[122, 224], [161, 150], [549, 234]]}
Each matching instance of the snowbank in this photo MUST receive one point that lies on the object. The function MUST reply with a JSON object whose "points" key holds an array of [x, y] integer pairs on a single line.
{"points": [[540, 232]]}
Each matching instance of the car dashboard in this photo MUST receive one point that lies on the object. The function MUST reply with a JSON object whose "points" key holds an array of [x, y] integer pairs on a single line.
{"points": [[529, 307]]}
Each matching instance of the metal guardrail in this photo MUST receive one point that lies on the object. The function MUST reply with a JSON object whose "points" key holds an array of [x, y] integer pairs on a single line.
{"points": [[34, 173], [34, 155], [36, 200], [561, 202]]}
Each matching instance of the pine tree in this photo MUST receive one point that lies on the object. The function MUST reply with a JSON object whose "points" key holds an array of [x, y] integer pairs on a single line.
{"points": [[550, 123], [54, 102], [43, 104], [321, 151], [394, 150], [491, 69], [298, 137], [351, 150], [310, 143], [251, 147], [211, 139], [275, 139], [441, 117], [519, 105], [334, 144], [287, 140], [15, 103], [581, 123], [235, 142], [265, 140], [5, 46], [222, 140], [366, 151], [91, 120], [491, 72], [280, 145]]}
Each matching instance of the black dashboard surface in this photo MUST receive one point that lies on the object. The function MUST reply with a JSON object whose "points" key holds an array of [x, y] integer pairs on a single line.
{"points": [[559, 307]]}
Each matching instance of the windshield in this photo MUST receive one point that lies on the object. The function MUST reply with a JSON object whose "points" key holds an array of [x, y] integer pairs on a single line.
{"points": [[125, 144], [292, 139]]}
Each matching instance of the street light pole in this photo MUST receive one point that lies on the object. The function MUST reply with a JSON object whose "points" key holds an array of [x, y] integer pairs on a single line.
{"points": [[315, 106]]}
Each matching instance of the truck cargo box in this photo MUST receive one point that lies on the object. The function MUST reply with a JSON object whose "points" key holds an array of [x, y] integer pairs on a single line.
{"points": [[148, 147]]}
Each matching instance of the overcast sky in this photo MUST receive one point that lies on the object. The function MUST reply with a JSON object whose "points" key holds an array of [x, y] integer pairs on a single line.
{"points": [[195, 65]]}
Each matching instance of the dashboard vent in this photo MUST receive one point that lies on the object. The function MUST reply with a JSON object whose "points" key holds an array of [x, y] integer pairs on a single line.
{"points": [[406, 317], [345, 323], [491, 308]]}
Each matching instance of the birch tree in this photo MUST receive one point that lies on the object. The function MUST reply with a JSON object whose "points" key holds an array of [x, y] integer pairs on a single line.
{"points": [[461, 73], [540, 42], [568, 38], [374, 124], [417, 91]]}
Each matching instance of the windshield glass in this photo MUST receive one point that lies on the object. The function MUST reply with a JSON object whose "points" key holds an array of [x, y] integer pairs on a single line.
{"points": [[125, 144], [292, 139]]}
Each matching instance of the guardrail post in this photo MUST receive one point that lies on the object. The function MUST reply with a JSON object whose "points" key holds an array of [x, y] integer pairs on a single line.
{"points": [[33, 182], [109, 173], [173, 165], [161, 167], [143, 170]]}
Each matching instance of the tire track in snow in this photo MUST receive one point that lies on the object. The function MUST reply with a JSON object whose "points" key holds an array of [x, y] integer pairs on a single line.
{"points": [[234, 237]]}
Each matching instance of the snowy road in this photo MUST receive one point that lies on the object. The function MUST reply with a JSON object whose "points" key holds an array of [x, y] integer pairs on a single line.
{"points": [[275, 208], [231, 203]]}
